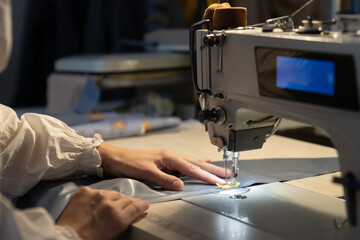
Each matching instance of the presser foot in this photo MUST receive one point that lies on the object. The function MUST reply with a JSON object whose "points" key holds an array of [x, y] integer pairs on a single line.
{"points": [[232, 183]]}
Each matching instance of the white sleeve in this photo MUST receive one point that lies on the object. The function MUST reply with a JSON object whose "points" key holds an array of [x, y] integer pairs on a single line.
{"points": [[32, 223], [5, 33], [38, 147]]}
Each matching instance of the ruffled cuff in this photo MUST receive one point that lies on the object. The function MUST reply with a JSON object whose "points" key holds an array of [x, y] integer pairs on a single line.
{"points": [[66, 233], [90, 152]]}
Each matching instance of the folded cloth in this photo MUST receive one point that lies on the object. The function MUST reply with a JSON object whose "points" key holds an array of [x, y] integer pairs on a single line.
{"points": [[116, 125], [54, 196]]}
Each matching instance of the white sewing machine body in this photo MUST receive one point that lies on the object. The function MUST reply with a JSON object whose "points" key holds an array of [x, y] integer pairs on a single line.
{"points": [[243, 81]]}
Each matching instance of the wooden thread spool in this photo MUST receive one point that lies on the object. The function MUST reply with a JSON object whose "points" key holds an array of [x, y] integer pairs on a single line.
{"points": [[229, 17], [209, 12]]}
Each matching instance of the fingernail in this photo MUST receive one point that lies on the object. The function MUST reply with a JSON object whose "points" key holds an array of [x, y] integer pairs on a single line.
{"points": [[222, 182], [177, 185]]}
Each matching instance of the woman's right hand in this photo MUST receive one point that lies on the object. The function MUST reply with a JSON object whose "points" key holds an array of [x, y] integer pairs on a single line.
{"points": [[102, 214]]}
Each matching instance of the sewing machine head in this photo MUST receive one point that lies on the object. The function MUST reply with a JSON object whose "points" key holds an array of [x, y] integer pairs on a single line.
{"points": [[247, 79]]}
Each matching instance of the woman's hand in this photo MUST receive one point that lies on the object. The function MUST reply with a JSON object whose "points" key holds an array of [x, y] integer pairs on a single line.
{"points": [[148, 165], [102, 214]]}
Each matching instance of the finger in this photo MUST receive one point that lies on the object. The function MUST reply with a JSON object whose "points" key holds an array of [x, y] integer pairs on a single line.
{"points": [[140, 217], [104, 195], [84, 191], [114, 195], [194, 171], [205, 164], [122, 203], [164, 180], [135, 211], [187, 158], [206, 160], [218, 171]]}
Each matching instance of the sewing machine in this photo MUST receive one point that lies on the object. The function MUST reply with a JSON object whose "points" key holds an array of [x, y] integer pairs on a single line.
{"points": [[247, 78], [244, 89]]}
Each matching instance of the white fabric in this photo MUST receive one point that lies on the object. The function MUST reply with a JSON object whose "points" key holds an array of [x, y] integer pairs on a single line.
{"points": [[30, 224], [33, 148], [5, 33], [38, 147]]}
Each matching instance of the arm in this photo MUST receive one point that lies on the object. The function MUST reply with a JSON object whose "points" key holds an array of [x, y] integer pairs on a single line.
{"points": [[38, 147], [29, 224]]}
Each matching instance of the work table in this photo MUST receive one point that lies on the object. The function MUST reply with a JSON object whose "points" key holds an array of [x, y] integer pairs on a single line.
{"points": [[186, 219], [191, 139]]}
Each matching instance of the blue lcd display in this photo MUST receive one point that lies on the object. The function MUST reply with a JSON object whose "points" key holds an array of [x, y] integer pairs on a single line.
{"points": [[307, 75]]}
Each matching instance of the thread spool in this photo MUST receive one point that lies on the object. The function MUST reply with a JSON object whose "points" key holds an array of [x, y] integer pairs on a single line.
{"points": [[209, 12], [231, 17]]}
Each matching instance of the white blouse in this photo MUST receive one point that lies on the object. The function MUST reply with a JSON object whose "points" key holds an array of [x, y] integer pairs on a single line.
{"points": [[33, 148]]}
